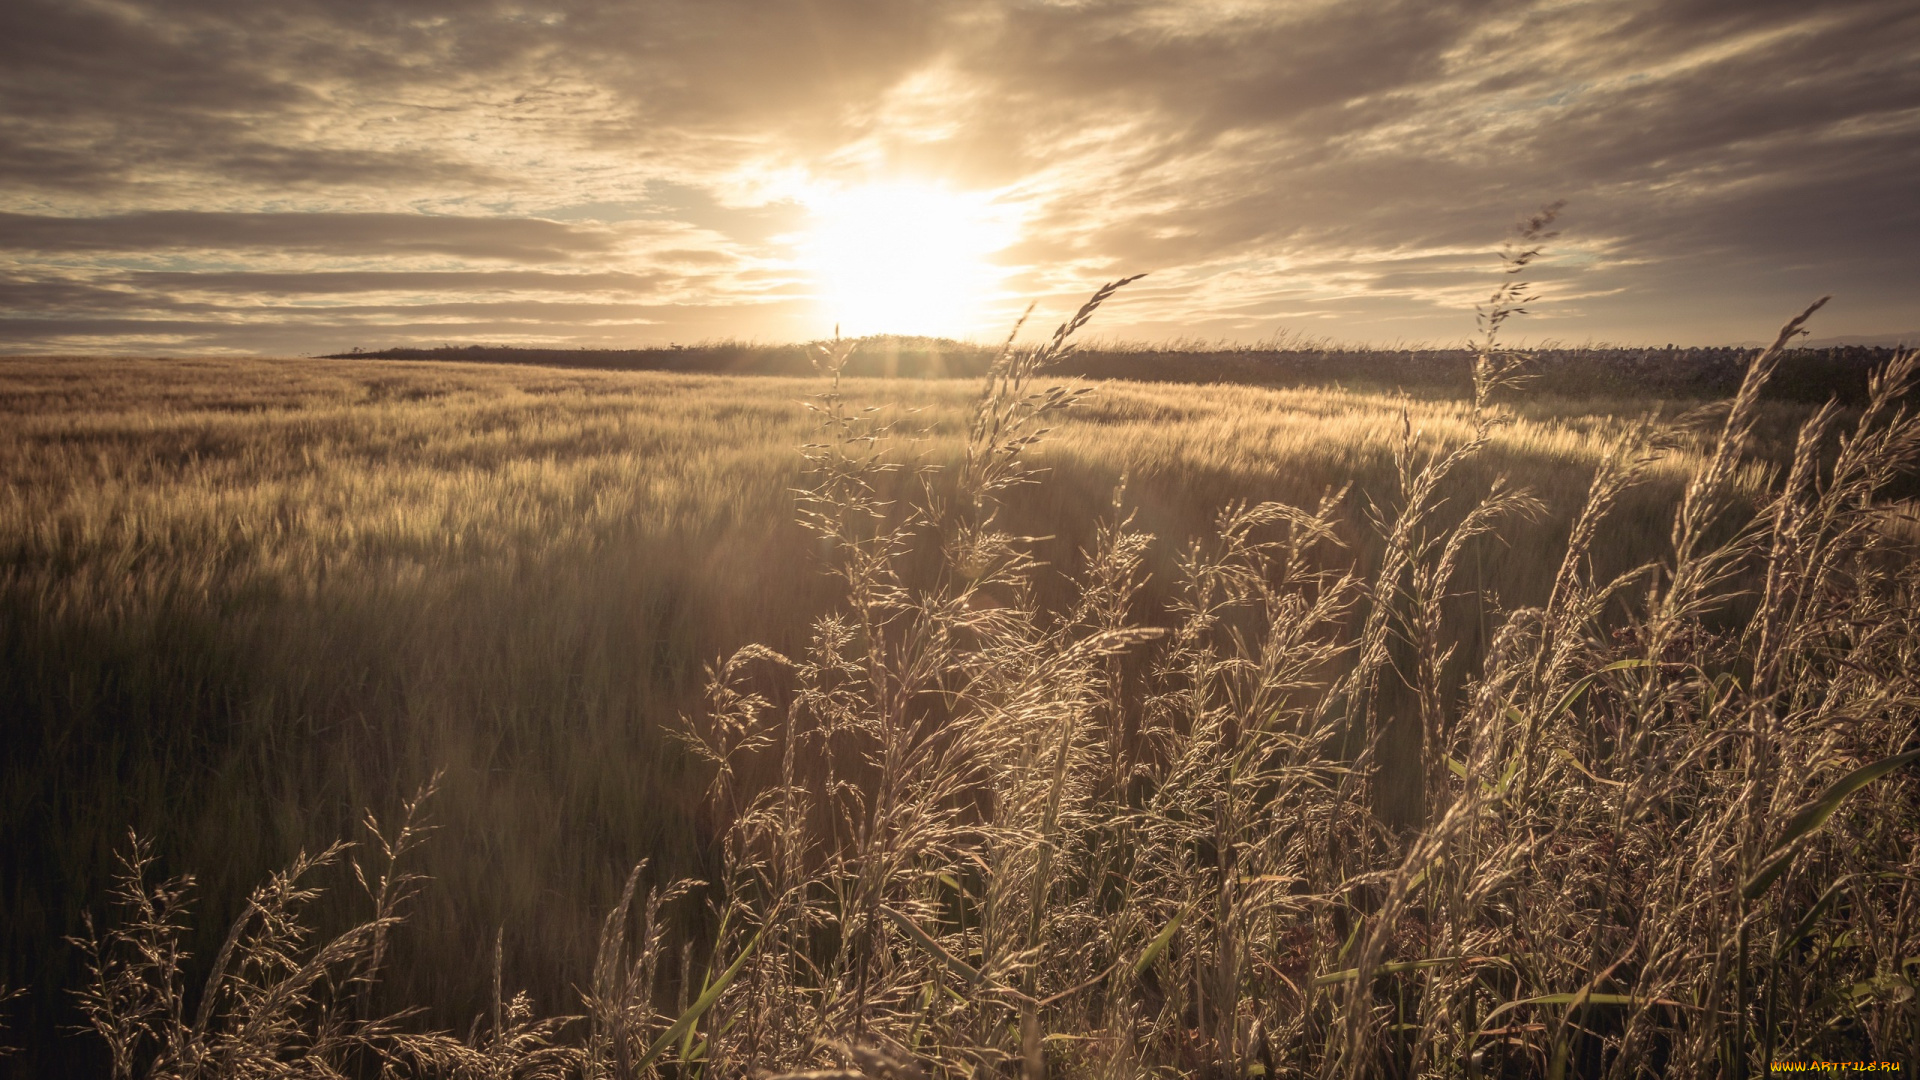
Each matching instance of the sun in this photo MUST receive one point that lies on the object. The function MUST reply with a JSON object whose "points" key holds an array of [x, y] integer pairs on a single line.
{"points": [[905, 258]]}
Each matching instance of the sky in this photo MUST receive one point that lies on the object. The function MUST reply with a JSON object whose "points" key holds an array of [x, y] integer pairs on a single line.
{"points": [[308, 176]]}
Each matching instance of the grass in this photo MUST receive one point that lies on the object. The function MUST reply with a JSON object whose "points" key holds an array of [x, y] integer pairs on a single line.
{"points": [[1357, 735]]}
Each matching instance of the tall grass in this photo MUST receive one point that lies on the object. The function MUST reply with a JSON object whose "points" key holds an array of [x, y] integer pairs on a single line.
{"points": [[243, 598], [1661, 833], [1278, 799]]}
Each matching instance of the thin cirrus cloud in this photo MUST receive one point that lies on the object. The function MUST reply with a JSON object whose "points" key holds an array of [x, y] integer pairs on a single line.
{"points": [[309, 175], [502, 239]]}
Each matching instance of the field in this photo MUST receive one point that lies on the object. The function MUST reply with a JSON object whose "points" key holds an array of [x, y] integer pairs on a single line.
{"points": [[966, 815]]}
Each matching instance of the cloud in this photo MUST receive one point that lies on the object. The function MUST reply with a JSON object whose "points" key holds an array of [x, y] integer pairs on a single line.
{"points": [[333, 283], [358, 234], [1720, 157]]}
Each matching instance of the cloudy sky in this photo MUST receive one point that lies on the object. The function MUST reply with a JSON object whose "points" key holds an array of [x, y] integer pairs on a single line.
{"points": [[302, 176]]}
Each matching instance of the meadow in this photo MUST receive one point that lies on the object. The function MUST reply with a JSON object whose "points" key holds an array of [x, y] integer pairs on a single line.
{"points": [[1223, 729]]}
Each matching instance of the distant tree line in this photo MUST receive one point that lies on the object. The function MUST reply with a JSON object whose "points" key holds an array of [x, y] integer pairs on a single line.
{"points": [[1805, 375]]}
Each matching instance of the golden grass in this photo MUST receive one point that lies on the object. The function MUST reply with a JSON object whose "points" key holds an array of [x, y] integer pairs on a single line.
{"points": [[243, 599]]}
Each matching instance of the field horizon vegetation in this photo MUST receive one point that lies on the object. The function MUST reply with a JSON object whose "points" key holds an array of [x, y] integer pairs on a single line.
{"points": [[701, 724], [1805, 375]]}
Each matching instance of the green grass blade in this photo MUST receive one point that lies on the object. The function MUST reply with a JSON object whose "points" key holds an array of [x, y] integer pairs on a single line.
{"points": [[692, 1016], [1574, 692], [1334, 978], [1805, 926], [1769, 873], [1622, 1000], [1159, 943], [1506, 778], [933, 948], [1815, 814]]}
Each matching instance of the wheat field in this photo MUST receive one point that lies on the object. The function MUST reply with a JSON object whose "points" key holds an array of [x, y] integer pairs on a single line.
{"points": [[1204, 729]]}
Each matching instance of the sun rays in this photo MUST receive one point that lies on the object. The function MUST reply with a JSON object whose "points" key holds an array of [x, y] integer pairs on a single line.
{"points": [[906, 258]]}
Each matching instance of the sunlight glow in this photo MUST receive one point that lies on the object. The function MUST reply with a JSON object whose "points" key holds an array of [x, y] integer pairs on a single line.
{"points": [[905, 258]]}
